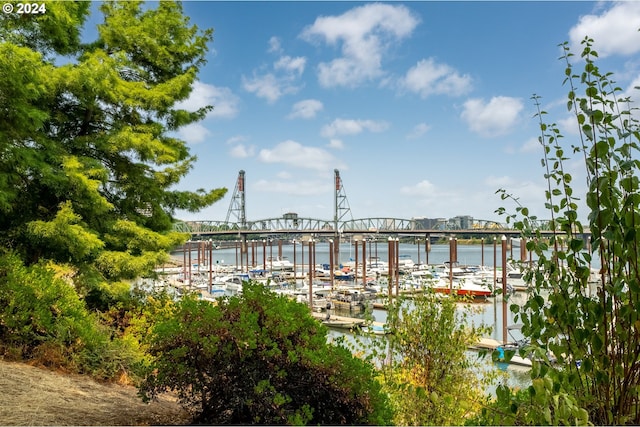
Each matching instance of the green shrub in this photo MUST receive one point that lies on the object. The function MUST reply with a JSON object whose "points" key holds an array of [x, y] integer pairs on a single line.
{"points": [[42, 318], [260, 359]]}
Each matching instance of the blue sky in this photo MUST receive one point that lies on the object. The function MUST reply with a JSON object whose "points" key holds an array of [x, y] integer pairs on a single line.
{"points": [[424, 107]]}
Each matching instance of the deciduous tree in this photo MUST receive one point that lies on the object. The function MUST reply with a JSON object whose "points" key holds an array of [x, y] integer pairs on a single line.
{"points": [[592, 329]]}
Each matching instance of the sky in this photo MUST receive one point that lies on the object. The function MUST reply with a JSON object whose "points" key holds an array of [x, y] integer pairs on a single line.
{"points": [[424, 107]]}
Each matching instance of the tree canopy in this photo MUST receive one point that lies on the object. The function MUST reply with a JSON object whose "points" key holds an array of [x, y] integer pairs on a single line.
{"points": [[88, 158]]}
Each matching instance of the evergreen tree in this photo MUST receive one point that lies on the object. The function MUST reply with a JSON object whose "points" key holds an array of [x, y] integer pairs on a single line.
{"points": [[88, 166]]}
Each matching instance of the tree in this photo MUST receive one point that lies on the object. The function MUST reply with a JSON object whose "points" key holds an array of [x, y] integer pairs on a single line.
{"points": [[259, 358], [592, 329], [88, 162], [426, 371]]}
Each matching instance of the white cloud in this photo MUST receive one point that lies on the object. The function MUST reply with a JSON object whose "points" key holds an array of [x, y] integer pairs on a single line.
{"points": [[273, 85], [498, 117], [241, 151], [430, 78], [295, 154], [419, 130], [236, 139], [336, 143], [366, 33], [193, 133], [306, 109], [274, 45], [224, 101], [291, 65], [615, 31], [352, 127], [268, 86], [532, 145], [421, 189]]}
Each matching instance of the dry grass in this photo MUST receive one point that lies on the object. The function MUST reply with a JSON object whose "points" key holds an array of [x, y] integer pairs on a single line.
{"points": [[36, 396]]}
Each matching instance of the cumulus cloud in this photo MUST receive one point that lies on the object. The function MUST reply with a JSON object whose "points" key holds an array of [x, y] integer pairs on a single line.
{"points": [[295, 154], [365, 34], [274, 45], [193, 133], [495, 118], [268, 86], [224, 101], [419, 130], [532, 145], [336, 144], [241, 151], [421, 189], [291, 65], [430, 78], [306, 109], [614, 31], [282, 81], [352, 127]]}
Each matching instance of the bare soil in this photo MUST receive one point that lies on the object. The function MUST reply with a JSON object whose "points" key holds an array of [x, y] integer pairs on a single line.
{"points": [[36, 396]]}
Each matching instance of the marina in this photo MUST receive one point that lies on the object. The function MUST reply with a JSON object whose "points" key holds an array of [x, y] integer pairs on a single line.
{"points": [[342, 294]]}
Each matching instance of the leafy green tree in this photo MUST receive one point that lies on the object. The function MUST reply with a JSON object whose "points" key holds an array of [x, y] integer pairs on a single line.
{"points": [[88, 163], [260, 358], [591, 328], [426, 370]]}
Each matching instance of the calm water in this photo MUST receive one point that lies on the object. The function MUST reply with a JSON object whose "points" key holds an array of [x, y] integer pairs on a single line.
{"points": [[439, 253]]}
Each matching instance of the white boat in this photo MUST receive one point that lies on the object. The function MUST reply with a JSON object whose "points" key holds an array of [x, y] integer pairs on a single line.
{"points": [[279, 264], [376, 328]]}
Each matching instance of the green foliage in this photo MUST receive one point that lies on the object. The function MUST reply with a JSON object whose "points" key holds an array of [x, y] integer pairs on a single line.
{"points": [[42, 318], [88, 166], [259, 358], [590, 327], [426, 371]]}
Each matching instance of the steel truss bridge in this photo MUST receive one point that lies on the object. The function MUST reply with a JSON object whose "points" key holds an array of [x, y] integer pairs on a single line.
{"points": [[291, 224], [324, 227]]}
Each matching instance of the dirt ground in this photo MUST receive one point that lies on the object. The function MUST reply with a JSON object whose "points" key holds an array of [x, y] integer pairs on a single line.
{"points": [[37, 397]]}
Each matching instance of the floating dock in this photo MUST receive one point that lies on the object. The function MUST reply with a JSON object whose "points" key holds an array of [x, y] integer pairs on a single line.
{"points": [[342, 322]]}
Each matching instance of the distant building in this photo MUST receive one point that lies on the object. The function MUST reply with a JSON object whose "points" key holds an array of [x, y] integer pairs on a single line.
{"points": [[460, 222]]}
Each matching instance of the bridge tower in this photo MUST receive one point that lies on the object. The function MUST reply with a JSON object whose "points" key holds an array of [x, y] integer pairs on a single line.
{"points": [[341, 209], [237, 206]]}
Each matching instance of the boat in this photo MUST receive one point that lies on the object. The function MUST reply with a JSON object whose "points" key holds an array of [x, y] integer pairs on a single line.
{"points": [[510, 351], [376, 328], [279, 264], [349, 299]]}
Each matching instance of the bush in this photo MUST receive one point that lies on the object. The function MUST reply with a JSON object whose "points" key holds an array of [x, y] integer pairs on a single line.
{"points": [[259, 358], [42, 318]]}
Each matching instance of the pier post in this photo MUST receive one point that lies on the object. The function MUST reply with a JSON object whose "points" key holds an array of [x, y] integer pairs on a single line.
{"points": [[210, 265], [364, 263], [390, 277], [427, 248], [311, 274], [331, 263], [357, 251], [264, 254], [396, 264], [451, 250], [504, 289]]}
